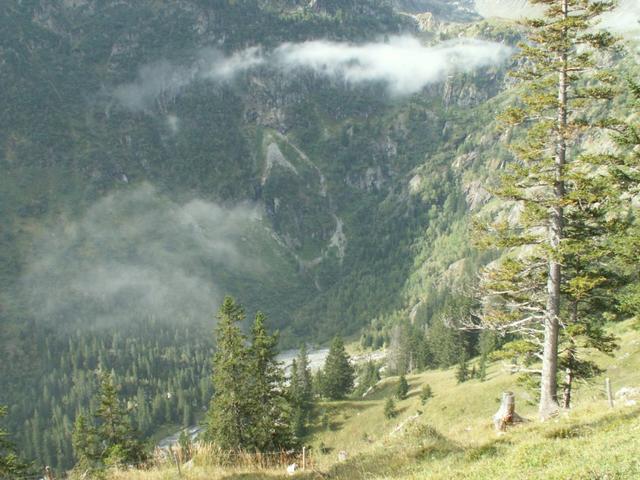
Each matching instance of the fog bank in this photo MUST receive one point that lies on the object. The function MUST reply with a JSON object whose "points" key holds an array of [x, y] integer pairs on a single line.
{"points": [[138, 255]]}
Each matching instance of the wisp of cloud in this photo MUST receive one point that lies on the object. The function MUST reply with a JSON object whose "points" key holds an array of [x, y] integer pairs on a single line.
{"points": [[137, 255], [509, 9], [166, 79], [624, 19], [403, 63]]}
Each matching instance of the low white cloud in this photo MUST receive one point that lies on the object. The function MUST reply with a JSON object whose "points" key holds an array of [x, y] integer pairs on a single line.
{"points": [[165, 80], [403, 64], [624, 19], [508, 9], [173, 122], [215, 66], [136, 255], [160, 79]]}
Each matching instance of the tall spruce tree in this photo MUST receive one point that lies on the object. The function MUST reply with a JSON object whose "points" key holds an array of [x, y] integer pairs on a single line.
{"points": [[407, 349], [84, 442], [445, 342], [462, 372], [229, 416], [10, 464], [602, 231], [403, 388], [524, 293], [486, 345], [594, 215], [116, 437], [270, 413], [109, 440], [338, 373], [301, 392], [390, 409], [626, 171], [368, 377]]}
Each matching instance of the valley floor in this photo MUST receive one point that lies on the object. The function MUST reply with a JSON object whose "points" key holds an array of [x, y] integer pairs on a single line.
{"points": [[452, 437]]}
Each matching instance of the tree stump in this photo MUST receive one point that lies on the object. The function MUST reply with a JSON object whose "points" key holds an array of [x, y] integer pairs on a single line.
{"points": [[506, 414]]}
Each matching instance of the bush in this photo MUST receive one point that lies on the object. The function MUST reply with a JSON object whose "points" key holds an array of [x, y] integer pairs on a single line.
{"points": [[390, 409], [403, 388], [426, 393]]}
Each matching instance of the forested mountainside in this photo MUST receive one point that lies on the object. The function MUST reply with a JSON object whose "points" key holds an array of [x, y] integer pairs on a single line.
{"points": [[158, 155], [285, 187]]}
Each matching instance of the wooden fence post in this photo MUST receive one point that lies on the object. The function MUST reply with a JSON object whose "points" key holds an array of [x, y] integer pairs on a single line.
{"points": [[175, 458], [607, 386]]}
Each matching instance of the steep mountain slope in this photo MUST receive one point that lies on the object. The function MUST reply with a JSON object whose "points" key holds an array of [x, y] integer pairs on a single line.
{"points": [[157, 155], [108, 123]]}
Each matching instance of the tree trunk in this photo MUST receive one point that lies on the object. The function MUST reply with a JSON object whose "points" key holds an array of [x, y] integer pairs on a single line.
{"points": [[548, 386], [566, 391], [571, 361]]}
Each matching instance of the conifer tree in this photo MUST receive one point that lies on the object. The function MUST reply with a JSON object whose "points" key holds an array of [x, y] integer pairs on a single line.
{"points": [[446, 342], [270, 413], [398, 351], [116, 438], [368, 377], [403, 388], [425, 394], [301, 392], [84, 444], [184, 441], [229, 415], [10, 464], [110, 440], [626, 171], [338, 374], [523, 293], [482, 368], [390, 409], [317, 382], [462, 372]]}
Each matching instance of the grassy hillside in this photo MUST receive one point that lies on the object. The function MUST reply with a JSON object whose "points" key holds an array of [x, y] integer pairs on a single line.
{"points": [[452, 435]]}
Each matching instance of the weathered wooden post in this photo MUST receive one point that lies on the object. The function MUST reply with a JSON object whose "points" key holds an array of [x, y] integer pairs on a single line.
{"points": [[506, 414], [175, 458], [607, 386], [304, 458]]}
